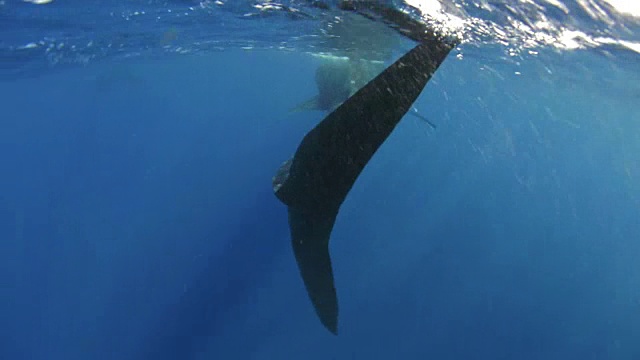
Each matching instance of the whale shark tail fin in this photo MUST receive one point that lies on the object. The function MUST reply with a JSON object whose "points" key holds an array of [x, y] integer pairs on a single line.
{"points": [[310, 239], [315, 182], [310, 230]]}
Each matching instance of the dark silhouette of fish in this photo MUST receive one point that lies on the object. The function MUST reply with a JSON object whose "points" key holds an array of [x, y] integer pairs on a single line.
{"points": [[315, 182]]}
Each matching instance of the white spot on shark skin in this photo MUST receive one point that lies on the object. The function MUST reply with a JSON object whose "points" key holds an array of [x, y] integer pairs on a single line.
{"points": [[282, 175], [38, 2]]}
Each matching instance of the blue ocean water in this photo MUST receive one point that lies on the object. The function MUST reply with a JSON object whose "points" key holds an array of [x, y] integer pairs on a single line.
{"points": [[137, 219]]}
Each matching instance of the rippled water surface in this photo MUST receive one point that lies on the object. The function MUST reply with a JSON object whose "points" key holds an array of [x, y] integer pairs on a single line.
{"points": [[70, 32]]}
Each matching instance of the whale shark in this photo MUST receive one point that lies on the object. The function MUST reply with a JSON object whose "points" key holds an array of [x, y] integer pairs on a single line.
{"points": [[352, 52], [338, 78], [314, 183]]}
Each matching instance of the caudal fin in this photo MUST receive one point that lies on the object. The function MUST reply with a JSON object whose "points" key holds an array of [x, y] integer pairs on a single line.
{"points": [[310, 239], [328, 161]]}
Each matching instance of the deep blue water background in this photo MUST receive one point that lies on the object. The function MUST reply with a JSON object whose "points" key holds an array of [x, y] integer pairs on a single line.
{"points": [[137, 219]]}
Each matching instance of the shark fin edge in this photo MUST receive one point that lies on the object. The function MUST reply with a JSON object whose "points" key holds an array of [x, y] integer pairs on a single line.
{"points": [[310, 234]]}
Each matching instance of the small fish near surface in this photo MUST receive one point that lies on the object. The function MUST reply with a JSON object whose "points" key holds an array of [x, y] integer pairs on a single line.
{"points": [[316, 180]]}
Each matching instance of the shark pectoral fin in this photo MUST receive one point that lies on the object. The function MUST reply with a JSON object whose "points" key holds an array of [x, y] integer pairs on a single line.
{"points": [[310, 239], [311, 104]]}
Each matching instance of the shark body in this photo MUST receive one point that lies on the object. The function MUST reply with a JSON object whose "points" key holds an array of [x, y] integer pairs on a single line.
{"points": [[316, 180]]}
